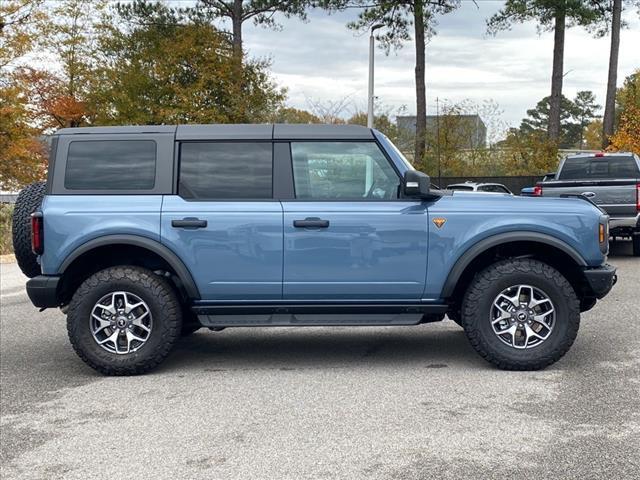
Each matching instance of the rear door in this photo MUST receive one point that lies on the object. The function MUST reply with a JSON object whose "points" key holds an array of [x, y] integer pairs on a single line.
{"points": [[347, 235], [224, 222]]}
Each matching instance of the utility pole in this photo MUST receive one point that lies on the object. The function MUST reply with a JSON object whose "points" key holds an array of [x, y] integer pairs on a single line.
{"points": [[371, 97], [438, 141]]}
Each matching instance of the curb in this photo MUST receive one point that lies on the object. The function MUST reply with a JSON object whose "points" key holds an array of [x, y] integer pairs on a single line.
{"points": [[9, 258]]}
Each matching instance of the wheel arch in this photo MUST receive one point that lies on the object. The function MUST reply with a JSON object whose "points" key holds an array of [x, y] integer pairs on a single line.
{"points": [[517, 244], [134, 243]]}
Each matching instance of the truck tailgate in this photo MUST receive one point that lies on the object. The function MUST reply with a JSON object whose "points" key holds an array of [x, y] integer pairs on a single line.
{"points": [[616, 197]]}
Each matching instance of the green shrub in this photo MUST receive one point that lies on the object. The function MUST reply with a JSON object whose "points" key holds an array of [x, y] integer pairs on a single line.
{"points": [[6, 213]]}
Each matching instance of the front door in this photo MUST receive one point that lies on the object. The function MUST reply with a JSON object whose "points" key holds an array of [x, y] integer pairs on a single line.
{"points": [[347, 235], [224, 223]]}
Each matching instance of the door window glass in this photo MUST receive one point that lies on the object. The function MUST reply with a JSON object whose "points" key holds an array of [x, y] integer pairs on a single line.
{"points": [[342, 170], [225, 170]]}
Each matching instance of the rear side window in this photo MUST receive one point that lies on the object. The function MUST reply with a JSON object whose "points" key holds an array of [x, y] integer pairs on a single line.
{"points": [[576, 168], [111, 165], [222, 170]]}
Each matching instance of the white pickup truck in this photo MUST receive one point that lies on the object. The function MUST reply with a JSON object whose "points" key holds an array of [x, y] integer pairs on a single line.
{"points": [[610, 180]]}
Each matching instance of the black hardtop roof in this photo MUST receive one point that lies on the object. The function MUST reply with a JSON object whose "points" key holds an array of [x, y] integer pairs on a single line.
{"points": [[238, 131]]}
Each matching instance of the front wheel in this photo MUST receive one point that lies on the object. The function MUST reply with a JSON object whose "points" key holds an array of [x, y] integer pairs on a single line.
{"points": [[521, 314], [124, 320]]}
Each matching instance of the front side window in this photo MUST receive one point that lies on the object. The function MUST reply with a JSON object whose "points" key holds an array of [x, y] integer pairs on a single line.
{"points": [[111, 165], [342, 170], [225, 170]]}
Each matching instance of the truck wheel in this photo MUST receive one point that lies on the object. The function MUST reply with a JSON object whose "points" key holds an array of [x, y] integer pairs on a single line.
{"points": [[28, 201], [636, 244], [521, 314], [124, 320]]}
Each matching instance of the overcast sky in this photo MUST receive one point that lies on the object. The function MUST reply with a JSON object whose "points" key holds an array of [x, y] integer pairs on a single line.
{"points": [[324, 61]]}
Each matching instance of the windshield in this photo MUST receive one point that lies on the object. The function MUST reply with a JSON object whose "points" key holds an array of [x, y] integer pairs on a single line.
{"points": [[614, 166]]}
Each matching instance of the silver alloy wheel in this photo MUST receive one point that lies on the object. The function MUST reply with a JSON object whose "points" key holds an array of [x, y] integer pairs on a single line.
{"points": [[121, 322], [523, 316]]}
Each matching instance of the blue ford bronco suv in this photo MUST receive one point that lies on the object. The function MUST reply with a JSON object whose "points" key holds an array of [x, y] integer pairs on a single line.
{"points": [[143, 234]]}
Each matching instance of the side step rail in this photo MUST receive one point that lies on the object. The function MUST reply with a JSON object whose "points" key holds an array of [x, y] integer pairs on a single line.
{"points": [[216, 316]]}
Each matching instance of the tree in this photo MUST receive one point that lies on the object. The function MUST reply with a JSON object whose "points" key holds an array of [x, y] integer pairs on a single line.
{"points": [[574, 117], [19, 20], [330, 111], [553, 15], [293, 115], [397, 19], [627, 136], [383, 123], [528, 153], [163, 65], [58, 94], [612, 76], [261, 12], [22, 155], [586, 109], [593, 135]]}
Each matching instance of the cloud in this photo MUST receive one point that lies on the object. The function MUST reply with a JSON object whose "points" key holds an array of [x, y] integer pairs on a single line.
{"points": [[324, 60]]}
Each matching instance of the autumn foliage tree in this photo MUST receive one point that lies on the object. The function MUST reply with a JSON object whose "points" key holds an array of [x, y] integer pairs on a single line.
{"points": [[627, 136], [21, 152], [159, 65]]}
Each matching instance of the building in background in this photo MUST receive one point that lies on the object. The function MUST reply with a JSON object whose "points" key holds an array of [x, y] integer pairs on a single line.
{"points": [[467, 131]]}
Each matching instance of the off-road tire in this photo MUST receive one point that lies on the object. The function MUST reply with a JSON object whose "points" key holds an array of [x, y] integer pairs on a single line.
{"points": [[165, 309], [28, 201], [485, 287], [635, 239]]}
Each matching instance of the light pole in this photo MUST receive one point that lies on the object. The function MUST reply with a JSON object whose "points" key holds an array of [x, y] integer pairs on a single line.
{"points": [[370, 98]]}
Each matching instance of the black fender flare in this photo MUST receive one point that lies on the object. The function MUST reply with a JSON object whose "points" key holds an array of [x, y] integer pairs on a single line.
{"points": [[154, 246], [493, 241]]}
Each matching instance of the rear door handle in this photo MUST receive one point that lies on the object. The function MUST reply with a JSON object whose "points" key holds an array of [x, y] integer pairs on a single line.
{"points": [[311, 222], [189, 223]]}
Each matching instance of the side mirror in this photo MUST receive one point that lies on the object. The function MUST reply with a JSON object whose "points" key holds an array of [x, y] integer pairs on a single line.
{"points": [[417, 184]]}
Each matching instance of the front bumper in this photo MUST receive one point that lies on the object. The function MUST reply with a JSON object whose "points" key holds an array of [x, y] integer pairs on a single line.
{"points": [[601, 279], [43, 291]]}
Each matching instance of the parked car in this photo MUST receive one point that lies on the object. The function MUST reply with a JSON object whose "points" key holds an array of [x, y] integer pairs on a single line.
{"points": [[610, 180], [479, 187], [142, 234]]}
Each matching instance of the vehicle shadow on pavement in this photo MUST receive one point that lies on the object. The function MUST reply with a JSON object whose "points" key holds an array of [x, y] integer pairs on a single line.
{"points": [[299, 348], [620, 248]]}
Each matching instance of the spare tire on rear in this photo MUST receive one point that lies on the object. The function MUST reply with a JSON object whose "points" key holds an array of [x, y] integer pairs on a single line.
{"points": [[28, 201]]}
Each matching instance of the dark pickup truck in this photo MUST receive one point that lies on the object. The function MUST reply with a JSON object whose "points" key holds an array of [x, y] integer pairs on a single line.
{"points": [[610, 180]]}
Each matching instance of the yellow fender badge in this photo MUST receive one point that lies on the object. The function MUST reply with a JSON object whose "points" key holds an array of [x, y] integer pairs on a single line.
{"points": [[439, 221]]}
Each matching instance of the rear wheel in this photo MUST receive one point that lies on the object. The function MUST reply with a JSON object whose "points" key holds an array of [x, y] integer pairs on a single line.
{"points": [[636, 244], [124, 320], [28, 201], [521, 314]]}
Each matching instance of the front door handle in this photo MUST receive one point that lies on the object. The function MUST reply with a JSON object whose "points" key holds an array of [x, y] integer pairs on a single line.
{"points": [[189, 223], [311, 222]]}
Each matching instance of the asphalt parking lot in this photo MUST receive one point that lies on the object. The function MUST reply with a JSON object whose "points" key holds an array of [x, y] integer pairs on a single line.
{"points": [[325, 403]]}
